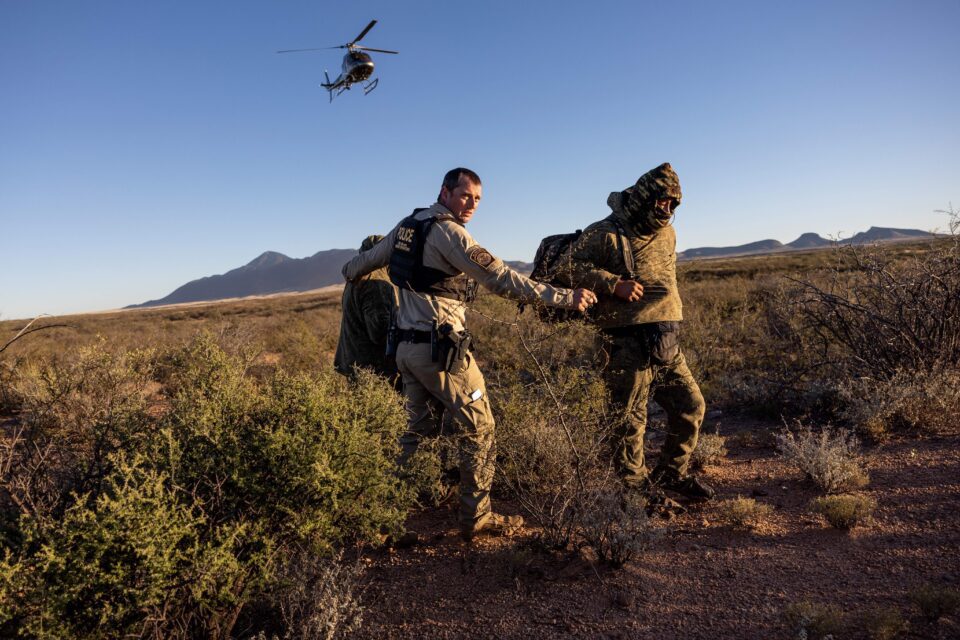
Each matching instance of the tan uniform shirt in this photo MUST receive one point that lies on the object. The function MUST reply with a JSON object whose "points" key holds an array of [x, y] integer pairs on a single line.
{"points": [[451, 249]]}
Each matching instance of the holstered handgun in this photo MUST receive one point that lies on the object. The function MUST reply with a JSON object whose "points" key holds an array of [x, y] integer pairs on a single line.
{"points": [[434, 343], [453, 349]]}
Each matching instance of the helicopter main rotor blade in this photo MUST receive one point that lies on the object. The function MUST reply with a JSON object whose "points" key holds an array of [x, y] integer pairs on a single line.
{"points": [[364, 32], [317, 49], [377, 50]]}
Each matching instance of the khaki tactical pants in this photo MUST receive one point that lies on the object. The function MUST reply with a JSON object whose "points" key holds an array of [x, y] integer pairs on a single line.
{"points": [[464, 396], [631, 379]]}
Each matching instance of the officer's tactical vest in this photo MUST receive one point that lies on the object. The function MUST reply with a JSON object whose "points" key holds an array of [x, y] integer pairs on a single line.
{"points": [[407, 270]]}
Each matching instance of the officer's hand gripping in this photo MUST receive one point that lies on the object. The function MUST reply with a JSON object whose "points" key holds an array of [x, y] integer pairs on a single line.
{"points": [[582, 299]]}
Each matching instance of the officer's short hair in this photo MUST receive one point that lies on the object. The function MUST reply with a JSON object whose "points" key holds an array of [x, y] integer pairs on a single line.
{"points": [[452, 179]]}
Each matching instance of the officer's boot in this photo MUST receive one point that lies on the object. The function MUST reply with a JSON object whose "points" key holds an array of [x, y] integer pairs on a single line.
{"points": [[688, 486], [491, 523], [655, 501]]}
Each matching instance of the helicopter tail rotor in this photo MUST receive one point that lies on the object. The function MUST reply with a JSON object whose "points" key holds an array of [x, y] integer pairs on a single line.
{"points": [[326, 84]]}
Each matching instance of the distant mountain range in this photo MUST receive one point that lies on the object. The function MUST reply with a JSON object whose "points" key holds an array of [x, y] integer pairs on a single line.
{"points": [[804, 242], [270, 272], [273, 272]]}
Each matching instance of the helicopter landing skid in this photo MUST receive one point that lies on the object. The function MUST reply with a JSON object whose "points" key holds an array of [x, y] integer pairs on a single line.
{"points": [[370, 86]]}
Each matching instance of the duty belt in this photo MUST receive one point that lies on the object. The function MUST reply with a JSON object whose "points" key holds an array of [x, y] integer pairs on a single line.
{"points": [[631, 330], [643, 329], [413, 335]]}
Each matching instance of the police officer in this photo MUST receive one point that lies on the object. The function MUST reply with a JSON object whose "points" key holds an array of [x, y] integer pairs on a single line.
{"points": [[436, 265], [629, 259], [366, 307]]}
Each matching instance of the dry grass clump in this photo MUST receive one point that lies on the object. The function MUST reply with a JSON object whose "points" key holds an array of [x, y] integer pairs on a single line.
{"points": [[711, 448], [744, 513], [320, 597], [616, 525], [913, 402], [846, 511], [936, 601], [881, 623], [829, 458], [811, 620]]}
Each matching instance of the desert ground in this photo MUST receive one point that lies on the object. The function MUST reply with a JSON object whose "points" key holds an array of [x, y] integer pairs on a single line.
{"points": [[702, 578]]}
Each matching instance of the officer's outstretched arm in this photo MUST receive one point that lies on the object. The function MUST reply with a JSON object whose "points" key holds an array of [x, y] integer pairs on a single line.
{"points": [[490, 271], [371, 260]]}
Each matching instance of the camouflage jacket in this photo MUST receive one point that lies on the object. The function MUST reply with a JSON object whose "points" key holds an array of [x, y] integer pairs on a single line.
{"points": [[367, 305], [598, 260]]}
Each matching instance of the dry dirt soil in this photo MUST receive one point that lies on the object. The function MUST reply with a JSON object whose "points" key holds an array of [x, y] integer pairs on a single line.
{"points": [[701, 578]]}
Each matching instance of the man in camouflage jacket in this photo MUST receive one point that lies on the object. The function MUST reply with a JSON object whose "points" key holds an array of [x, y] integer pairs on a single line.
{"points": [[366, 306], [629, 260]]}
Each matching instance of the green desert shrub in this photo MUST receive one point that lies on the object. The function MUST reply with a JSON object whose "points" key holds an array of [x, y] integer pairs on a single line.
{"points": [[744, 513], [311, 456], [74, 414], [829, 458], [432, 470], [935, 601], [233, 474], [845, 511], [124, 564]]}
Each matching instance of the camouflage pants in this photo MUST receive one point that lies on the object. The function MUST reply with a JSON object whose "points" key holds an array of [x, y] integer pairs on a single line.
{"points": [[428, 392], [632, 379]]}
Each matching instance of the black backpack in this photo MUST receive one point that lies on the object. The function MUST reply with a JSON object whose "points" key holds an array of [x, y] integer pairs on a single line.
{"points": [[549, 260], [545, 267]]}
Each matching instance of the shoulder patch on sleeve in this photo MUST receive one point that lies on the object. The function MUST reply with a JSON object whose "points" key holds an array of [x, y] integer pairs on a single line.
{"points": [[481, 256]]}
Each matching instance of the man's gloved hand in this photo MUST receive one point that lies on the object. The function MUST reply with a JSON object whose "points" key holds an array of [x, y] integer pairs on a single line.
{"points": [[629, 290]]}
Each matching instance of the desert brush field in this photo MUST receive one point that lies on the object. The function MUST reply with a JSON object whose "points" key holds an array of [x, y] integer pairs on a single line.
{"points": [[201, 471]]}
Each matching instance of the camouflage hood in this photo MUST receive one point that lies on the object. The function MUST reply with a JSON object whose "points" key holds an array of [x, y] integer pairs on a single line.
{"points": [[637, 204]]}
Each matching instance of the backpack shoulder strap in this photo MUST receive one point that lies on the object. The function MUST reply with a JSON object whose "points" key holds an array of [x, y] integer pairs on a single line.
{"points": [[623, 244]]}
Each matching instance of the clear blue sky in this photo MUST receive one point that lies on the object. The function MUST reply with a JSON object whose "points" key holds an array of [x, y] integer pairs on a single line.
{"points": [[146, 144]]}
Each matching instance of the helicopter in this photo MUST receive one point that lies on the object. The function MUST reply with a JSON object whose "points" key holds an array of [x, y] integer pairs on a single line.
{"points": [[357, 66]]}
